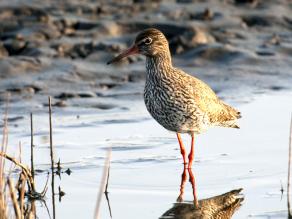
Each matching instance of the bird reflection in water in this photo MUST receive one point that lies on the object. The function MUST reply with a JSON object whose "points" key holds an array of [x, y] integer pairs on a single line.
{"points": [[218, 207]]}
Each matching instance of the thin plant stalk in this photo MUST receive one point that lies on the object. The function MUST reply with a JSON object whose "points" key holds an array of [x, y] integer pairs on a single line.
{"points": [[22, 192], [289, 170], [4, 146], [3, 196], [31, 146], [103, 184], [106, 191], [24, 169], [14, 199], [52, 158]]}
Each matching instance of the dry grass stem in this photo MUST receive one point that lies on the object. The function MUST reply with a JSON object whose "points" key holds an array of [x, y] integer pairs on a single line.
{"points": [[25, 186], [52, 158], [5, 126], [25, 170], [103, 183], [3, 195], [31, 146], [289, 170], [51, 135], [3, 149], [106, 191], [21, 192], [20, 151], [14, 199]]}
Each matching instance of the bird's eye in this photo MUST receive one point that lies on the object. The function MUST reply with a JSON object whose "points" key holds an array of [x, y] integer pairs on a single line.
{"points": [[148, 40]]}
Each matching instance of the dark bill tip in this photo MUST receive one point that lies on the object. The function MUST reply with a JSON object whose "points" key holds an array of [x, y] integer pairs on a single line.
{"points": [[132, 50], [115, 59]]}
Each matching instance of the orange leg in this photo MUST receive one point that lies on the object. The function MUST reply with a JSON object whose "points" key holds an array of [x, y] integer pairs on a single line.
{"points": [[182, 148], [182, 185], [192, 152], [193, 182]]}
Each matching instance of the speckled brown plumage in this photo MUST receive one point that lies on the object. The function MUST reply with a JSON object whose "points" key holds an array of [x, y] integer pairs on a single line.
{"points": [[217, 207], [176, 100]]}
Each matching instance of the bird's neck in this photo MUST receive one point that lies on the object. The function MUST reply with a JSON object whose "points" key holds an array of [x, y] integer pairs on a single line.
{"points": [[158, 66]]}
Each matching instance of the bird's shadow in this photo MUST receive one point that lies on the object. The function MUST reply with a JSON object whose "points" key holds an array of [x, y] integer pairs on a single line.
{"points": [[218, 207]]}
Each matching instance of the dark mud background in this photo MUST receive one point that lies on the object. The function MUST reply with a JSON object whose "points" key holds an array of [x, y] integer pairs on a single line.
{"points": [[242, 49]]}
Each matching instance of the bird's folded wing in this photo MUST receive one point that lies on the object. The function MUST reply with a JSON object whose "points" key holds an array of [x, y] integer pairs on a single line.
{"points": [[219, 113]]}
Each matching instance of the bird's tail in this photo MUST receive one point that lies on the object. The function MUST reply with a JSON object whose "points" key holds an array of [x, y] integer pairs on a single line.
{"points": [[227, 117]]}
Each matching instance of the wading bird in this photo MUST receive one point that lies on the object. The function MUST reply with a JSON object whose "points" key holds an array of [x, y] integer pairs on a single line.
{"points": [[176, 100]]}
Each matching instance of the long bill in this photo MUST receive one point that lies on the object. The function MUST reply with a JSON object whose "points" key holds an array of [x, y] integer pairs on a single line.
{"points": [[132, 50]]}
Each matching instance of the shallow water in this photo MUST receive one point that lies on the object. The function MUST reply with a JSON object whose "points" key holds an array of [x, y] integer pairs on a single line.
{"points": [[146, 164]]}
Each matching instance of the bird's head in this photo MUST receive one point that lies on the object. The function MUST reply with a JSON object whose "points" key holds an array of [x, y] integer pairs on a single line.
{"points": [[149, 42]]}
